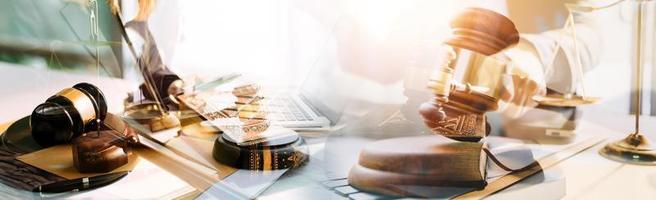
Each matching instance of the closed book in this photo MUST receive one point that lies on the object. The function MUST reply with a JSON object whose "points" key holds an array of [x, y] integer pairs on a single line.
{"points": [[386, 166]]}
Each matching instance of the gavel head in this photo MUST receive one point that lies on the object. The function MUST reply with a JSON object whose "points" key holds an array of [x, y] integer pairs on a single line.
{"points": [[468, 82], [482, 31], [67, 114]]}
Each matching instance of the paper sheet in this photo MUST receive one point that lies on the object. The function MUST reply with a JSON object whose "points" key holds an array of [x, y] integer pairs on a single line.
{"points": [[243, 184], [199, 151], [517, 153], [146, 181]]}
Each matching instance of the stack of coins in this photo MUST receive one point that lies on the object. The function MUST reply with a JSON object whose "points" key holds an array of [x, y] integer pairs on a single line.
{"points": [[249, 110]]}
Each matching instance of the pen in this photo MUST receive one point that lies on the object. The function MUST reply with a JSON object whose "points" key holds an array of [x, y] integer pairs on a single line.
{"points": [[216, 82], [80, 183]]}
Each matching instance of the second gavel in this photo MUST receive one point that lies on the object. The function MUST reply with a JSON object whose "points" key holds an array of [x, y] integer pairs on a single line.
{"points": [[468, 82]]}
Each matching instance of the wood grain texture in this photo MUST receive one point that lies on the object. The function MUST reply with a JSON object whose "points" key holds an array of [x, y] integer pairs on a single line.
{"points": [[385, 166], [483, 31], [99, 152], [460, 114], [464, 116]]}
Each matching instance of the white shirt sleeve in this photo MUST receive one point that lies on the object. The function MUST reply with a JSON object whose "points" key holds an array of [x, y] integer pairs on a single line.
{"points": [[558, 53]]}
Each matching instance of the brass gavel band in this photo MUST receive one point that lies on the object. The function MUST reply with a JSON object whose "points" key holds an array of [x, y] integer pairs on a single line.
{"points": [[440, 82], [482, 73], [82, 103], [266, 159]]}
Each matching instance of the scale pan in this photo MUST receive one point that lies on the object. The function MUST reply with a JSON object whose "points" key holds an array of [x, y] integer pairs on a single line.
{"points": [[562, 101]]}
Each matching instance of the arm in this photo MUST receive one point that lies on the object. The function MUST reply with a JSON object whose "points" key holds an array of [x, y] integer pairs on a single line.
{"points": [[165, 81], [548, 60], [557, 52]]}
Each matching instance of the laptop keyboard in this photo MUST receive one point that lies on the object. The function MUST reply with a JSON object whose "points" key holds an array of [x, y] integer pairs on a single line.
{"points": [[341, 187], [284, 108]]}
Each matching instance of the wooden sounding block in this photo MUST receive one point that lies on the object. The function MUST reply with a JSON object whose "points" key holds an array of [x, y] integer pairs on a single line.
{"points": [[388, 166], [99, 152], [270, 154]]}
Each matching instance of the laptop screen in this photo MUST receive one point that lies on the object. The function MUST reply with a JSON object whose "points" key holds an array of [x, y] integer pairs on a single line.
{"points": [[326, 87]]}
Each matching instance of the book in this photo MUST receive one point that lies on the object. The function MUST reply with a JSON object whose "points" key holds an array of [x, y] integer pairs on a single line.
{"points": [[431, 160]]}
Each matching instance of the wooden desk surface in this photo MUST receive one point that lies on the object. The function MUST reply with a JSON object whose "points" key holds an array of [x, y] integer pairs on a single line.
{"points": [[23, 88], [588, 175]]}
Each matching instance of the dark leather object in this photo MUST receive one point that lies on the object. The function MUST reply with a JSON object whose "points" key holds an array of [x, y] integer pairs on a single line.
{"points": [[17, 140], [99, 152], [18, 174]]}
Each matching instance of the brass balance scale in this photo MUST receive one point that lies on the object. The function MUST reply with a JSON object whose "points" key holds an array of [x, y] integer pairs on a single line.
{"points": [[568, 100], [635, 148]]}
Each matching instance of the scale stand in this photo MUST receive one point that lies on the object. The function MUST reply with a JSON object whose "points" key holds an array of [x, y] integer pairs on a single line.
{"points": [[635, 148]]}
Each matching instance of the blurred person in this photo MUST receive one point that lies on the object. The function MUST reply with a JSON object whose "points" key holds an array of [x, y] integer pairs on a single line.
{"points": [[167, 84], [391, 47]]}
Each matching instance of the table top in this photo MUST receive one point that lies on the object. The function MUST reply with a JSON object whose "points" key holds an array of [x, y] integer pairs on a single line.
{"points": [[587, 174], [591, 176]]}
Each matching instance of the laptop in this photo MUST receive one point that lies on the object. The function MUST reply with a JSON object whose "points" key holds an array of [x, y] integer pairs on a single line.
{"points": [[322, 94], [314, 105], [317, 103]]}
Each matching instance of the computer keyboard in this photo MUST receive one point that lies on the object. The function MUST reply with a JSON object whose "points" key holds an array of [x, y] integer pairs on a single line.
{"points": [[279, 107], [341, 187], [285, 108]]}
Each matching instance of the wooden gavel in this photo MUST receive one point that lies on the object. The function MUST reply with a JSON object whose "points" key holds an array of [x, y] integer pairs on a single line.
{"points": [[458, 110]]}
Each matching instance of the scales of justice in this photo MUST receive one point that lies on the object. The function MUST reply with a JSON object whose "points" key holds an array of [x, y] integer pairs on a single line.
{"points": [[636, 147], [457, 111]]}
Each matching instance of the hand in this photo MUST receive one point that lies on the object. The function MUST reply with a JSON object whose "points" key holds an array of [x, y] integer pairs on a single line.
{"points": [[524, 81], [517, 93], [176, 88]]}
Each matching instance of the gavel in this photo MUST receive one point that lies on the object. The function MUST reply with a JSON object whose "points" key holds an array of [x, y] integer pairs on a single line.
{"points": [[67, 114], [458, 109], [78, 115]]}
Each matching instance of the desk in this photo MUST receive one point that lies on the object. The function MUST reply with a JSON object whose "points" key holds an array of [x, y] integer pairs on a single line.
{"points": [[587, 175], [23, 88], [590, 176]]}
